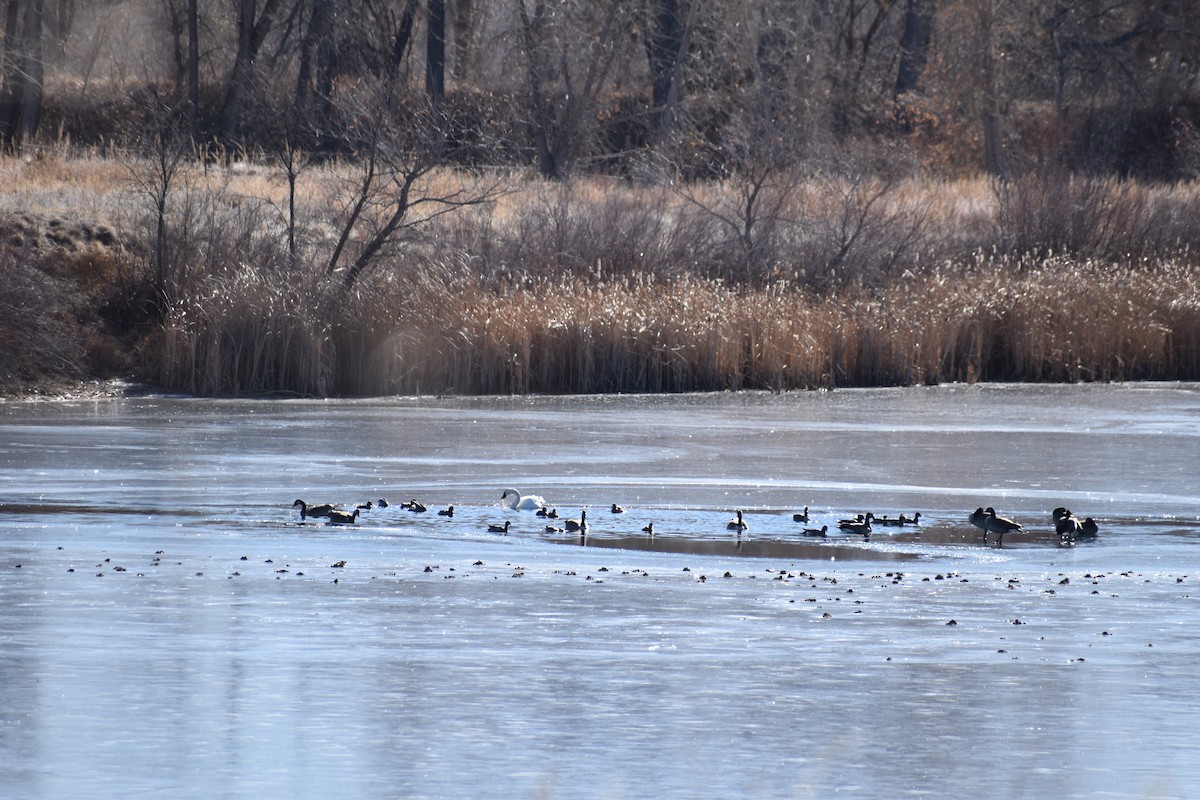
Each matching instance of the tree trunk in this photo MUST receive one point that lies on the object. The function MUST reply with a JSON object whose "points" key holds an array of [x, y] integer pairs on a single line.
{"points": [[435, 53], [251, 33], [993, 134], [13, 86], [31, 101], [193, 70], [665, 48], [914, 46], [464, 27], [403, 38]]}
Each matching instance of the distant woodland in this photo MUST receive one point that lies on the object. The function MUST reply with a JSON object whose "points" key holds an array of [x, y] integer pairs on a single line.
{"points": [[618, 86]]}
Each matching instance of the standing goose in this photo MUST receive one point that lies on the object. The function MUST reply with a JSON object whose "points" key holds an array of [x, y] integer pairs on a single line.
{"points": [[521, 502], [321, 510], [978, 518], [338, 517], [1066, 524], [998, 525], [578, 525], [737, 523]]}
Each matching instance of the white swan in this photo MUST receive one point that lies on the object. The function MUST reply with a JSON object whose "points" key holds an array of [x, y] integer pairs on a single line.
{"points": [[517, 501]]}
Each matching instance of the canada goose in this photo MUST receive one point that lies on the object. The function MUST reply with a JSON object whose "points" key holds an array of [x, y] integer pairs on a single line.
{"points": [[822, 531], [888, 521], [861, 525], [383, 503], [915, 519], [978, 518], [580, 524], [500, 528], [737, 523], [1066, 524], [517, 501], [413, 505], [367, 506], [446, 512], [802, 516], [649, 529], [998, 525], [321, 510], [338, 517], [553, 529], [616, 509], [1088, 527]]}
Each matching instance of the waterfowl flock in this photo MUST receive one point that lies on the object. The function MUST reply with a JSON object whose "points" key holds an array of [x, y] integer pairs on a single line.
{"points": [[1068, 528]]}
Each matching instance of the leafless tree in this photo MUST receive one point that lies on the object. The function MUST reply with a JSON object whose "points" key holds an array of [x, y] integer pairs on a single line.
{"points": [[391, 194]]}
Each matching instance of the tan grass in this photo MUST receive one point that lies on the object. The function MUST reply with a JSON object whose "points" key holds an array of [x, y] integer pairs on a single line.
{"points": [[606, 286]]}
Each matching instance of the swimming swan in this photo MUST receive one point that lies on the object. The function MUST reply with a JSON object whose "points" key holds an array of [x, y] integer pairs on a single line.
{"points": [[520, 501]]}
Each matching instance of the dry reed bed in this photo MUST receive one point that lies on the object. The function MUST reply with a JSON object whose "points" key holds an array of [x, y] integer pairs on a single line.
{"points": [[1057, 321], [600, 285]]}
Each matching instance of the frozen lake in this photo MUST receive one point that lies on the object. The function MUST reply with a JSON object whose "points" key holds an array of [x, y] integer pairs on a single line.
{"points": [[171, 629]]}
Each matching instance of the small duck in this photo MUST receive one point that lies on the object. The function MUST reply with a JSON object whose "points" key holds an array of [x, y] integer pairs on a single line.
{"points": [[553, 529], [649, 529], [616, 509], [500, 528], [446, 512], [821, 532], [543, 512], [320, 510], [578, 525], [737, 523], [339, 517], [802, 516]]}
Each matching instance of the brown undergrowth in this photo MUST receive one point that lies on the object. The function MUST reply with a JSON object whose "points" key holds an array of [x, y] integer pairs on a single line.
{"points": [[601, 286]]}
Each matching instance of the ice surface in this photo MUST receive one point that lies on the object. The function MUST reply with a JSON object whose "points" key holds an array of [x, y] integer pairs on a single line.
{"points": [[170, 629]]}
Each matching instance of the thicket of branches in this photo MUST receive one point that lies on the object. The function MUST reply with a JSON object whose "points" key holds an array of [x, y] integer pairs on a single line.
{"points": [[626, 86]]}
